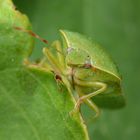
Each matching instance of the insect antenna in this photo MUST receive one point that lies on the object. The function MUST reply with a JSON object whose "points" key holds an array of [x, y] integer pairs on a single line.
{"points": [[32, 34], [36, 36]]}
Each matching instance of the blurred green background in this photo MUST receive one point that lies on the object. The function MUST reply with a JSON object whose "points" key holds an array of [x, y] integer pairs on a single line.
{"points": [[115, 24]]}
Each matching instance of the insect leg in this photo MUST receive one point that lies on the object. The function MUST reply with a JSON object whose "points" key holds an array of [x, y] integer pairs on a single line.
{"points": [[29, 64], [93, 106], [90, 103], [60, 53], [102, 87], [53, 61], [85, 98]]}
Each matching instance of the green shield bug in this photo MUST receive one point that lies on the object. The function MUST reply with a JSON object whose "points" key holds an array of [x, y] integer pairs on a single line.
{"points": [[95, 75], [84, 67]]}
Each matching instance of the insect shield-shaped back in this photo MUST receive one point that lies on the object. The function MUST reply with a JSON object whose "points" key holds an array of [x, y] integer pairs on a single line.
{"points": [[81, 50]]}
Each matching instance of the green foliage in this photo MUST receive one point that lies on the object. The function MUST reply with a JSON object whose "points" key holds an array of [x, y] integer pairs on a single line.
{"points": [[113, 23], [32, 106]]}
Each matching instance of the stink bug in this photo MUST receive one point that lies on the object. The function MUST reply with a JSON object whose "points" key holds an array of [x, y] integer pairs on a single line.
{"points": [[96, 77], [84, 67]]}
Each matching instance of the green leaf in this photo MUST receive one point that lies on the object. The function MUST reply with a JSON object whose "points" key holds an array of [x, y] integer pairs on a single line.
{"points": [[32, 105], [115, 24]]}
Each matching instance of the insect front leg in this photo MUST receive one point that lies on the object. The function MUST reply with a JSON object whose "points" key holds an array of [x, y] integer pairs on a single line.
{"points": [[53, 61], [53, 58], [56, 65], [60, 54]]}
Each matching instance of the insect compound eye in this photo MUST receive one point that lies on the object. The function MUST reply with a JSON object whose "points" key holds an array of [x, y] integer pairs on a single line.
{"points": [[88, 63]]}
